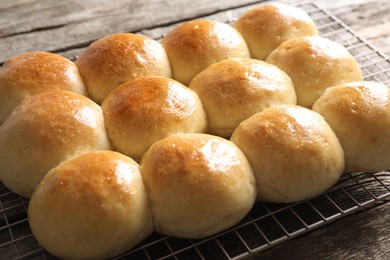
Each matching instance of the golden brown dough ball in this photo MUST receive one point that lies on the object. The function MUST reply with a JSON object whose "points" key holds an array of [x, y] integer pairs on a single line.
{"points": [[293, 152], [314, 64], [32, 73], [44, 130], [147, 109], [359, 114], [93, 206], [234, 89], [197, 185], [117, 58], [194, 45], [266, 26]]}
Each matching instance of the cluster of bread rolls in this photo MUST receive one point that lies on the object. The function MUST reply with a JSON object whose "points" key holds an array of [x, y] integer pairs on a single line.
{"points": [[182, 136]]}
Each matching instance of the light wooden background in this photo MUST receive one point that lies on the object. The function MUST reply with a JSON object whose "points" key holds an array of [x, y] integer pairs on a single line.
{"points": [[60, 26]]}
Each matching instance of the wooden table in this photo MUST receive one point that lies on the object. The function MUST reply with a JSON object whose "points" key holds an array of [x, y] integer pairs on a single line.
{"points": [[67, 27]]}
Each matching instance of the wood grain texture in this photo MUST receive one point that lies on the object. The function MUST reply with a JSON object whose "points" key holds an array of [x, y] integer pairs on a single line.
{"points": [[362, 236], [371, 20], [65, 25]]}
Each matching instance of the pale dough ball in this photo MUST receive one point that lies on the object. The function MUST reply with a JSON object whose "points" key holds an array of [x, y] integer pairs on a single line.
{"points": [[359, 114], [93, 206], [117, 58], [197, 185], [194, 45], [314, 64], [141, 112], [266, 26], [35, 72], [234, 89], [44, 130], [293, 152]]}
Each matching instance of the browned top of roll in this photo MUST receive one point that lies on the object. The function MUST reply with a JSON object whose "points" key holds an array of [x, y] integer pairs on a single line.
{"points": [[93, 206], [197, 184], [194, 45], [266, 26], [147, 109], [44, 130], [315, 63], [234, 89], [294, 153], [58, 119], [35, 72], [117, 58], [359, 113]]}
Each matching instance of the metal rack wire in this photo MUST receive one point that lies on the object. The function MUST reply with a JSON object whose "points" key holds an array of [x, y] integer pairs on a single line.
{"points": [[267, 224]]}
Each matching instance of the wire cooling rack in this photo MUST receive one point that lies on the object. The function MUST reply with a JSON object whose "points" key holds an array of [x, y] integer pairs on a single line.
{"points": [[267, 224]]}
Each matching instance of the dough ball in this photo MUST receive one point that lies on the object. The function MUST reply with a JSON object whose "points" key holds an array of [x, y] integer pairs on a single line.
{"points": [[313, 64], [93, 206], [197, 185], [32, 73], [194, 45], [44, 130], [141, 112], [266, 26], [117, 58], [234, 89], [293, 152], [359, 114]]}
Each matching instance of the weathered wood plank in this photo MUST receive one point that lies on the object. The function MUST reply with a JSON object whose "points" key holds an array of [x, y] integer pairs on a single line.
{"points": [[158, 32], [38, 15], [360, 236], [71, 30], [372, 23], [10, 4], [69, 40], [67, 26]]}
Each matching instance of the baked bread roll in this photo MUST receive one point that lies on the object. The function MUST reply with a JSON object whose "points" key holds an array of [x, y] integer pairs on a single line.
{"points": [[293, 152], [141, 112], [234, 89], [117, 58], [93, 206], [197, 185], [359, 114], [44, 130], [32, 73], [313, 64], [266, 26], [194, 45]]}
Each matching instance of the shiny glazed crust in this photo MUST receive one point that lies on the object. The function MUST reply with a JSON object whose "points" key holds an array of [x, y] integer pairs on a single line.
{"points": [[197, 185], [314, 64], [93, 206], [35, 72], [194, 45], [117, 58], [359, 114], [141, 112], [293, 152], [44, 130], [234, 89], [266, 26]]}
